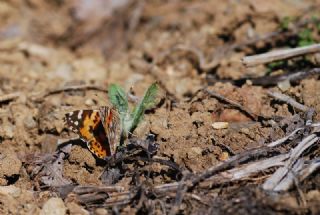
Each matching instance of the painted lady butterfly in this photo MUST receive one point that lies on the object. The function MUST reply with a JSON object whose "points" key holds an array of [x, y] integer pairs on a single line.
{"points": [[99, 128]]}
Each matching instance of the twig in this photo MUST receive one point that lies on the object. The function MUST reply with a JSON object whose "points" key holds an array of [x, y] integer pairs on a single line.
{"points": [[301, 194], [168, 163], [9, 97], [309, 168], [233, 103], [309, 115], [279, 55], [182, 189], [258, 166], [288, 100], [119, 198], [244, 171], [281, 180], [90, 189], [225, 147], [291, 176], [293, 78], [282, 140], [232, 162], [196, 197]]}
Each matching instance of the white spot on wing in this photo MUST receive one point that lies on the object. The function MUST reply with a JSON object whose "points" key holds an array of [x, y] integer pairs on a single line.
{"points": [[80, 114], [76, 123]]}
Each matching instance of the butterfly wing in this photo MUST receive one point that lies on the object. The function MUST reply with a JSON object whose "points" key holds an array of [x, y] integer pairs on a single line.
{"points": [[111, 122], [88, 125]]}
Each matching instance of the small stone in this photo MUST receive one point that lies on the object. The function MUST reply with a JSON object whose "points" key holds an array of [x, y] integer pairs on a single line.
{"points": [[49, 143], [3, 182], [7, 131], [245, 131], [143, 129], [101, 211], [224, 156], [89, 102], [10, 190], [284, 85], [220, 125], [29, 122], [313, 195], [196, 150], [82, 155], [76, 209], [54, 206], [10, 164], [249, 82], [63, 71]]}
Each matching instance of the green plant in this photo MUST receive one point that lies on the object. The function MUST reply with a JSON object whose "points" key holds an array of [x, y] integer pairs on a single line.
{"points": [[131, 118], [275, 65], [286, 22], [305, 37]]}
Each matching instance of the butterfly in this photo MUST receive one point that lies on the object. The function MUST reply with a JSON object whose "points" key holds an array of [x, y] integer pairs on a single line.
{"points": [[99, 128]]}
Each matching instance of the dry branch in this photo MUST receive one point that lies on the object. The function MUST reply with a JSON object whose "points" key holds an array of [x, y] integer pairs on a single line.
{"points": [[283, 178], [292, 77], [282, 140], [258, 166], [181, 191], [279, 55], [288, 100]]}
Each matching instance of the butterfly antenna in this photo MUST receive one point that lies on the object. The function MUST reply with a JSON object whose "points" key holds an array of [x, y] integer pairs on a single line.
{"points": [[132, 97]]}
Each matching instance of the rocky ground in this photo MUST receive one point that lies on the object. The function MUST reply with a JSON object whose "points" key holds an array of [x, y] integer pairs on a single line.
{"points": [[58, 56]]}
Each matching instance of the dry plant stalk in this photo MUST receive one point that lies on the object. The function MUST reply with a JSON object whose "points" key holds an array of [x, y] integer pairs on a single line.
{"points": [[279, 55]]}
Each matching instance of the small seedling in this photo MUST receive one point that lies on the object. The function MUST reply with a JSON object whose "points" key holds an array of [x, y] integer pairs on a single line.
{"points": [[305, 37], [286, 22], [130, 118]]}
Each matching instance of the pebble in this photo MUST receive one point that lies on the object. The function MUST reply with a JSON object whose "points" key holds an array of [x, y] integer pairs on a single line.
{"points": [[10, 190], [101, 211], [54, 206], [220, 125]]}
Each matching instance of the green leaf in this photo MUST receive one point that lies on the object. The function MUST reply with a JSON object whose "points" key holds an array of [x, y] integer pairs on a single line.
{"points": [[305, 38], [149, 98], [285, 22], [147, 102], [118, 98]]}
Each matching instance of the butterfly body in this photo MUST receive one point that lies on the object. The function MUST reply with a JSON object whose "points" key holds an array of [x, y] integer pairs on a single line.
{"points": [[99, 128]]}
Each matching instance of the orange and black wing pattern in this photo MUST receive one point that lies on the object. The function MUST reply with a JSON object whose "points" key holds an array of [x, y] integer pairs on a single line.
{"points": [[111, 123], [89, 126]]}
